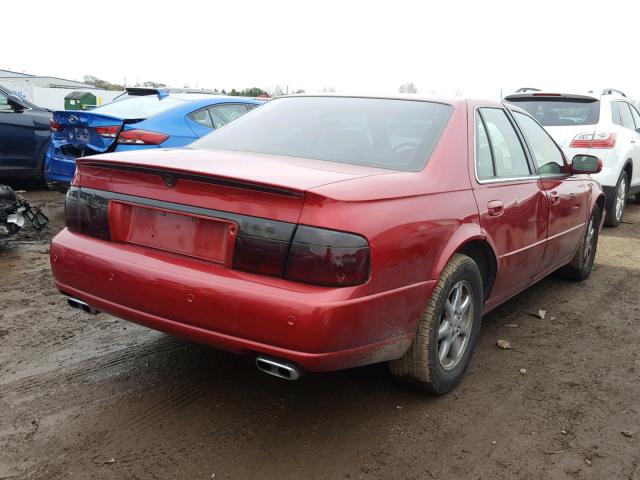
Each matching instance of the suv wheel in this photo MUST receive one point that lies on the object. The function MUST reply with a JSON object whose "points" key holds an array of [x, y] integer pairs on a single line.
{"points": [[615, 207], [447, 333]]}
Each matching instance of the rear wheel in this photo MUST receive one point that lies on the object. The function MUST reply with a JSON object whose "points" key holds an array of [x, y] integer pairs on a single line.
{"points": [[448, 330], [615, 207], [582, 263]]}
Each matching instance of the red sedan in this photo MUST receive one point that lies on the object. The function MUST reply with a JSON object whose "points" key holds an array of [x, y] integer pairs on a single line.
{"points": [[326, 232]]}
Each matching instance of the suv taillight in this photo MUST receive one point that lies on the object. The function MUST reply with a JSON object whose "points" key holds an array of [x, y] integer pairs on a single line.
{"points": [[87, 213], [316, 255], [594, 140]]}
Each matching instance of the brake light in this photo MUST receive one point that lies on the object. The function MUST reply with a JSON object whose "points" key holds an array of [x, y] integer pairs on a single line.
{"points": [[316, 255], [87, 213], [110, 131], [594, 140], [55, 126], [542, 94], [327, 257], [141, 137]]}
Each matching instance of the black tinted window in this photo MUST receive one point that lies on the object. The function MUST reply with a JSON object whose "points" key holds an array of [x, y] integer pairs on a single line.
{"points": [[394, 134], [561, 112], [546, 153], [508, 155]]}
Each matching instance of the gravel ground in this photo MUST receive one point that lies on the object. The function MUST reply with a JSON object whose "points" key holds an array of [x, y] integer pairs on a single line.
{"points": [[94, 397]]}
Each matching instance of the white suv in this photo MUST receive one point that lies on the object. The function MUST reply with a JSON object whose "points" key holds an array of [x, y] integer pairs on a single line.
{"points": [[607, 126]]}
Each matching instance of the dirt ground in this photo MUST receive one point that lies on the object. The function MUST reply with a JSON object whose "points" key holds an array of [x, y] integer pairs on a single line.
{"points": [[94, 397]]}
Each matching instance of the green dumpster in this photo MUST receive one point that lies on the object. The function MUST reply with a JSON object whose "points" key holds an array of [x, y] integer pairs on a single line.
{"points": [[80, 101]]}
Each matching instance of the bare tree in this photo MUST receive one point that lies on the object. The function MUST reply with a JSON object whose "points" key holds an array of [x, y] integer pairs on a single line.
{"points": [[408, 88]]}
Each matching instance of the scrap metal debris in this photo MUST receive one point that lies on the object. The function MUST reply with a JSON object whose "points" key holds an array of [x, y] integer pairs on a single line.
{"points": [[13, 211]]}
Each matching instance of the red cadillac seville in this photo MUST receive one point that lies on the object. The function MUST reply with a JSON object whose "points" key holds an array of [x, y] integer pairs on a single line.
{"points": [[326, 232]]}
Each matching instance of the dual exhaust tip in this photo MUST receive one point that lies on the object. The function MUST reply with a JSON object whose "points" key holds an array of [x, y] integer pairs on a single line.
{"points": [[75, 303], [278, 367], [271, 366]]}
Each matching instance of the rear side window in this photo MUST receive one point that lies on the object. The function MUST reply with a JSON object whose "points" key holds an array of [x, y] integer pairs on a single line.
{"points": [[554, 113], [223, 114], [546, 153], [484, 159], [508, 155], [615, 113], [202, 117], [635, 115], [625, 115]]}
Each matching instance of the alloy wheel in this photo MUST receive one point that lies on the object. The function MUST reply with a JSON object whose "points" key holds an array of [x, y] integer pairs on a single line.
{"points": [[455, 325], [621, 195]]}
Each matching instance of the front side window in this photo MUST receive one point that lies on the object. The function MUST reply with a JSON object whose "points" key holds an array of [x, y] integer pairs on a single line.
{"points": [[223, 114], [625, 115], [546, 153], [509, 159], [384, 133], [4, 104]]}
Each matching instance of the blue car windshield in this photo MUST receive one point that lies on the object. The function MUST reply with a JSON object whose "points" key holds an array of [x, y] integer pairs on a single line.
{"points": [[138, 107], [385, 133]]}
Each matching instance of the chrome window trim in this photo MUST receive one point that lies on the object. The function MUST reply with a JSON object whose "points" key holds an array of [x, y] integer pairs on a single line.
{"points": [[532, 176]]}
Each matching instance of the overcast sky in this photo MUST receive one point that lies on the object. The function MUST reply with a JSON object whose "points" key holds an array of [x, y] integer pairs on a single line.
{"points": [[475, 48]]}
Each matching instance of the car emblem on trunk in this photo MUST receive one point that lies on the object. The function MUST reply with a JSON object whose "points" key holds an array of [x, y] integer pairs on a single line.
{"points": [[73, 119], [169, 180]]}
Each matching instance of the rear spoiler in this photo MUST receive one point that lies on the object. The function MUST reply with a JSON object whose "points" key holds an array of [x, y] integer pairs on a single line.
{"points": [[537, 95]]}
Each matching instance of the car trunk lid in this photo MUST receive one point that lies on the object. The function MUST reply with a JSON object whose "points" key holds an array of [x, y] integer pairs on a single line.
{"points": [[78, 134], [256, 185]]}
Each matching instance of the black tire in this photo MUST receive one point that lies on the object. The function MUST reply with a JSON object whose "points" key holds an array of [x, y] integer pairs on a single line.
{"points": [[579, 268], [612, 219], [420, 366]]}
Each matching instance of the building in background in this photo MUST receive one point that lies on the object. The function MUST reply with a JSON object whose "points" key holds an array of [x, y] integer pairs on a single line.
{"points": [[50, 92]]}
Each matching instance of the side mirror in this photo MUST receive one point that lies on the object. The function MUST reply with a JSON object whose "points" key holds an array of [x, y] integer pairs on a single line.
{"points": [[16, 103], [585, 164]]}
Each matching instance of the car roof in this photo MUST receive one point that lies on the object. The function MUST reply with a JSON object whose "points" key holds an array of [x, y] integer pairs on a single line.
{"points": [[403, 96]]}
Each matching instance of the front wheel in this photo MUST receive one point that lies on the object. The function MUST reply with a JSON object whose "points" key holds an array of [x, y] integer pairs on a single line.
{"points": [[615, 207], [582, 263], [448, 330]]}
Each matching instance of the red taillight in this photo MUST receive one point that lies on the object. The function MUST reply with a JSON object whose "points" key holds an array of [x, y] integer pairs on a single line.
{"points": [[87, 213], [316, 255], [141, 137], [110, 131], [327, 257], [594, 140], [55, 126]]}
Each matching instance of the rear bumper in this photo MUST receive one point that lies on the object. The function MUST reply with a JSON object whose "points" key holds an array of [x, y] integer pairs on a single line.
{"points": [[59, 168], [318, 328]]}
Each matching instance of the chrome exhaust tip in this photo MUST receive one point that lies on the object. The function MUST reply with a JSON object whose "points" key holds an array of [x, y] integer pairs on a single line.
{"points": [[278, 367], [75, 303]]}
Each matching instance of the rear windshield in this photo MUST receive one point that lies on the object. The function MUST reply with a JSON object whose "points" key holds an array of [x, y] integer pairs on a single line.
{"points": [[555, 113], [393, 134], [138, 107]]}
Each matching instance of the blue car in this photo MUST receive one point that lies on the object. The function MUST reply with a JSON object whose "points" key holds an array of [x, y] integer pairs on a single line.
{"points": [[161, 120]]}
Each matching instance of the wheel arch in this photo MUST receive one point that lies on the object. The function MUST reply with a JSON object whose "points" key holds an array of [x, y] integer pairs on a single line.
{"points": [[472, 242]]}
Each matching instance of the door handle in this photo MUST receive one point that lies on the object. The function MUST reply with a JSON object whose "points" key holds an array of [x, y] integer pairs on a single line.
{"points": [[495, 208], [554, 197]]}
